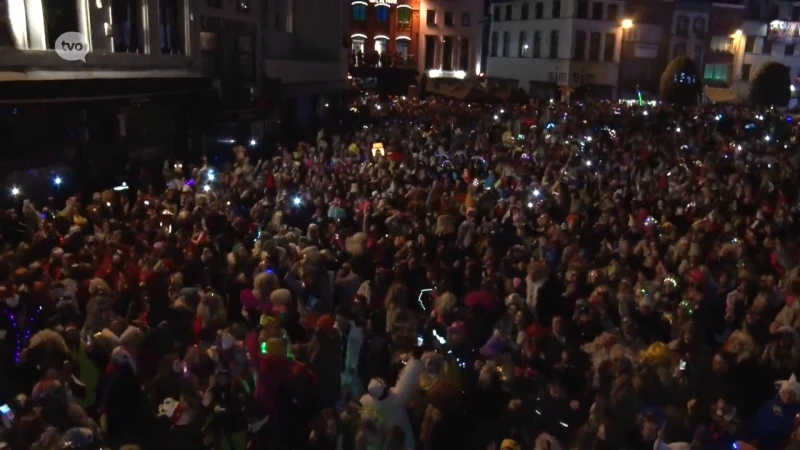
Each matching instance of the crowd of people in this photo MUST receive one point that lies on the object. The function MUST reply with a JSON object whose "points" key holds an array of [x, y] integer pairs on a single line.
{"points": [[445, 275]]}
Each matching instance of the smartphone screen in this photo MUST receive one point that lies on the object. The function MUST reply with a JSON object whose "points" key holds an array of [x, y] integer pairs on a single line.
{"points": [[5, 410], [420, 340], [682, 365]]}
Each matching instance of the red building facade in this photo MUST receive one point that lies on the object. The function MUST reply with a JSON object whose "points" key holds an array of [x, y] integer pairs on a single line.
{"points": [[384, 33]]}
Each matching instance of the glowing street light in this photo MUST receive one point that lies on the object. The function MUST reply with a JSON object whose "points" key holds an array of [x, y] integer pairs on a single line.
{"points": [[15, 191], [627, 24]]}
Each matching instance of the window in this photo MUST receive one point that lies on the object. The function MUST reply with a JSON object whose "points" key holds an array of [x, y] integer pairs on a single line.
{"points": [[357, 45], [448, 18], [430, 51], [556, 9], [716, 73], [613, 11], [583, 9], [609, 46], [682, 26], [537, 44], [496, 14], [59, 17], [594, 47], [447, 53], [508, 12], [169, 13], [402, 47], [525, 11], [463, 59], [749, 44], [382, 14], [597, 11], [554, 44], [214, 3], [721, 44], [788, 50], [466, 19], [766, 48], [404, 18], [699, 27], [538, 10], [506, 43], [125, 13], [746, 72], [430, 18], [359, 13], [523, 44], [495, 42], [579, 47], [243, 6], [679, 50], [698, 53]]}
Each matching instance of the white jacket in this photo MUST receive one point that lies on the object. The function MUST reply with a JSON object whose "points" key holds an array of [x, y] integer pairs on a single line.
{"points": [[393, 408]]}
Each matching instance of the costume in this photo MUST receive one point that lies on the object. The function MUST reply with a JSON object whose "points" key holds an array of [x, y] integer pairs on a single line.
{"points": [[123, 401], [390, 403], [774, 421]]}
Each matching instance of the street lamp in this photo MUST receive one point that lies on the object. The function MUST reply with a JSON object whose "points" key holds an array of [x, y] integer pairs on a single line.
{"points": [[627, 24], [737, 34]]}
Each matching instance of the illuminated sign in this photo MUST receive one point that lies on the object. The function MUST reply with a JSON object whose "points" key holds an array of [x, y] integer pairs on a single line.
{"points": [[784, 31], [384, 2]]}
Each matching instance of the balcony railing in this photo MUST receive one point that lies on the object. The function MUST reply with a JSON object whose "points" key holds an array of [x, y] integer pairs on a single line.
{"points": [[385, 59]]}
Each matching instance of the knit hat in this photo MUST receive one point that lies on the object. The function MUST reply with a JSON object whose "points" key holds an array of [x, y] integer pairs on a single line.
{"points": [[510, 444], [325, 323]]}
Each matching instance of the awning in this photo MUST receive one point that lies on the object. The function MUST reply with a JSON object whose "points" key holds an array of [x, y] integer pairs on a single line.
{"points": [[82, 90], [720, 95]]}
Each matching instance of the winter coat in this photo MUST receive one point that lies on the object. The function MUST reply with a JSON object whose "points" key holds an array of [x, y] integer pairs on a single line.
{"points": [[325, 360], [393, 408]]}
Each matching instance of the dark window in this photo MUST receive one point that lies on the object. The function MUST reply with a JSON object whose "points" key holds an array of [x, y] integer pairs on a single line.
{"points": [[609, 46], [404, 18], [746, 72], [463, 60], [508, 12], [448, 18], [679, 50], [60, 16], [214, 3], [169, 26], [496, 14], [767, 47], [466, 19], [537, 44], [556, 9], [525, 11], [523, 44], [749, 44], [430, 18], [495, 43], [594, 47], [796, 11], [538, 10], [243, 6], [682, 26], [597, 11], [788, 49], [583, 9], [382, 14], [430, 51], [579, 47], [612, 12], [447, 53], [359, 13], [554, 44], [506, 43], [125, 16]]}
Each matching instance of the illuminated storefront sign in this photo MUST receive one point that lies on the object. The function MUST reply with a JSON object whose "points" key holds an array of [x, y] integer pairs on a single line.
{"points": [[784, 31], [384, 2]]}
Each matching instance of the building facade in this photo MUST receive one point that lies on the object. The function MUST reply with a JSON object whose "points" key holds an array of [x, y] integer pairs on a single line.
{"points": [[138, 92], [552, 48], [305, 57], [438, 38]]}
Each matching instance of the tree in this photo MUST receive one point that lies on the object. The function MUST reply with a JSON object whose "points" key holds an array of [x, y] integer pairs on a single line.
{"points": [[770, 86], [679, 82]]}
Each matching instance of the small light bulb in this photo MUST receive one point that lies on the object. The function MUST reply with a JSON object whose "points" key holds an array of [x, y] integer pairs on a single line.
{"points": [[588, 163], [15, 191], [495, 117], [57, 181], [678, 130], [530, 204], [211, 176], [588, 139], [644, 113], [297, 201], [252, 142], [767, 138], [206, 188], [536, 193]]}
